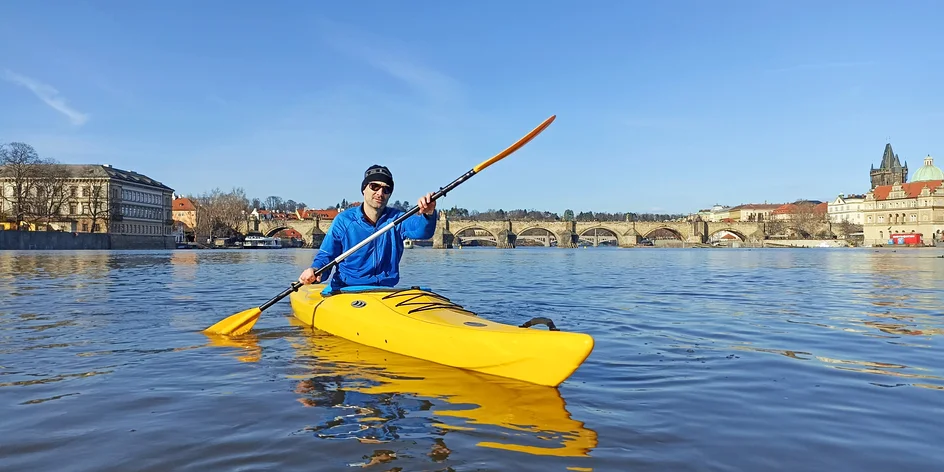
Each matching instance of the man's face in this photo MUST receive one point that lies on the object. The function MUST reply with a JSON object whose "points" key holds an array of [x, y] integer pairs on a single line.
{"points": [[376, 194]]}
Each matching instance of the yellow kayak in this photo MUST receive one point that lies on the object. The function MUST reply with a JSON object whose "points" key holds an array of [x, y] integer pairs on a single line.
{"points": [[419, 323]]}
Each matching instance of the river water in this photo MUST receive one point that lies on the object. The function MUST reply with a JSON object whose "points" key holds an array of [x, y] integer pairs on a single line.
{"points": [[705, 359]]}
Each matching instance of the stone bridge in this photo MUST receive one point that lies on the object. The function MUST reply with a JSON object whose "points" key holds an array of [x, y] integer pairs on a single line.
{"points": [[508, 233]]}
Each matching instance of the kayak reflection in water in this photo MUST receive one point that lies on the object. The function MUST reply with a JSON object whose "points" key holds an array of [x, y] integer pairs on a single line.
{"points": [[377, 396], [378, 263], [371, 419]]}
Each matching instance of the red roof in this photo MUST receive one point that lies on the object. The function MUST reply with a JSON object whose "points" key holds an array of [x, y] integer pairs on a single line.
{"points": [[328, 214], [790, 208], [183, 204], [291, 233], [912, 189]]}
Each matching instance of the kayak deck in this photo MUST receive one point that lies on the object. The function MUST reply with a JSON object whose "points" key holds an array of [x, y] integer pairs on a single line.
{"points": [[423, 324]]}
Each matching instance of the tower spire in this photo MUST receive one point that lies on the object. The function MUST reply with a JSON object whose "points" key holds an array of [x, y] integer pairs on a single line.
{"points": [[889, 157]]}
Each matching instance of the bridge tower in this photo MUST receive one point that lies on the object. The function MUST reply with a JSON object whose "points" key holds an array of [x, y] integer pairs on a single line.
{"points": [[442, 238], [699, 231], [506, 237], [316, 235], [568, 238]]}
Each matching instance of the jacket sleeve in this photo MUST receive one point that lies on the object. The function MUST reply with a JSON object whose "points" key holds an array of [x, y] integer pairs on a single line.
{"points": [[330, 247], [419, 226]]}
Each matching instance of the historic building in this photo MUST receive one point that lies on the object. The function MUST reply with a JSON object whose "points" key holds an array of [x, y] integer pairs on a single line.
{"points": [[92, 198], [184, 214], [753, 211], [891, 171], [895, 213], [847, 208]]}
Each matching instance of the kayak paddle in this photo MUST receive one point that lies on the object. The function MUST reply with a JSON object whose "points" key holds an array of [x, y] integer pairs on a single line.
{"points": [[242, 322]]}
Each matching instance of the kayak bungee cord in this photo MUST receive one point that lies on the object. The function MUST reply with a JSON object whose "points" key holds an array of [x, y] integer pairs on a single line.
{"points": [[442, 302]]}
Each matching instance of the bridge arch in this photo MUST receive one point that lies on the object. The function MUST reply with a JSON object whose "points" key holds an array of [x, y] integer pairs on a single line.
{"points": [[273, 231], [597, 234], [538, 234], [660, 233], [461, 238], [735, 232]]}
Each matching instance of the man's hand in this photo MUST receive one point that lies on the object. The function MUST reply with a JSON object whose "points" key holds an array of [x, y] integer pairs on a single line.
{"points": [[427, 204], [308, 276]]}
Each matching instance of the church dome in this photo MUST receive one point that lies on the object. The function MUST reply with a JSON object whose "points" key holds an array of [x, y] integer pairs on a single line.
{"points": [[928, 171]]}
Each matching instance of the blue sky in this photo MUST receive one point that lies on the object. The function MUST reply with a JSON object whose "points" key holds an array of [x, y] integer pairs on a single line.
{"points": [[661, 106]]}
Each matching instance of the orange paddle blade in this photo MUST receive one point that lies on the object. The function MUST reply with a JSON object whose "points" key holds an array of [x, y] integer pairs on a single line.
{"points": [[517, 145], [237, 324]]}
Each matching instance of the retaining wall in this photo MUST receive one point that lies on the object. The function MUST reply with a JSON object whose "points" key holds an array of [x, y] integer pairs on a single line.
{"points": [[45, 240]]}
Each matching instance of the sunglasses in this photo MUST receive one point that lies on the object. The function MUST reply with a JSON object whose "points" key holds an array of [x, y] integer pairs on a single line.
{"points": [[375, 187]]}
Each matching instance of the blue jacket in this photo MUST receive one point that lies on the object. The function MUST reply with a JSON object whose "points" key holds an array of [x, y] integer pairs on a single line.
{"points": [[377, 262]]}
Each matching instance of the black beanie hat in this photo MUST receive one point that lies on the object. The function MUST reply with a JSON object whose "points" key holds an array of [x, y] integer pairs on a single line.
{"points": [[377, 173]]}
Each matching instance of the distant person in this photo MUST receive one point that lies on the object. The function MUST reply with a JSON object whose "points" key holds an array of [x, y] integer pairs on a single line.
{"points": [[378, 262]]}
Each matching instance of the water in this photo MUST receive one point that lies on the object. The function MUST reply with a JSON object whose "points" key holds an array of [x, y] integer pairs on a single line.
{"points": [[705, 359]]}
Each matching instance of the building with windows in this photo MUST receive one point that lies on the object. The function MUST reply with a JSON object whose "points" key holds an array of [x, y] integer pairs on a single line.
{"points": [[897, 212], [88, 198], [752, 212], [184, 214], [846, 208]]}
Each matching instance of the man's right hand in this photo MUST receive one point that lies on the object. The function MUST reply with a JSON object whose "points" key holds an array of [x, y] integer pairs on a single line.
{"points": [[308, 276]]}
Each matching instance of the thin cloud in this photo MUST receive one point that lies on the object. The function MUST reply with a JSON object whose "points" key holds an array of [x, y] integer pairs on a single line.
{"points": [[49, 95], [383, 55]]}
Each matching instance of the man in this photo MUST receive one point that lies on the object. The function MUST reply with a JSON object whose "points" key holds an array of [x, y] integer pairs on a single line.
{"points": [[377, 262]]}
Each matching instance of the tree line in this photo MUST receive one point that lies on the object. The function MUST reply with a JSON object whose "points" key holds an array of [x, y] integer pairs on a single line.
{"points": [[276, 203]]}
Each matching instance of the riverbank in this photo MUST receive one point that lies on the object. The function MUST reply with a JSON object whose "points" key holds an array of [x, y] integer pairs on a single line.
{"points": [[59, 240]]}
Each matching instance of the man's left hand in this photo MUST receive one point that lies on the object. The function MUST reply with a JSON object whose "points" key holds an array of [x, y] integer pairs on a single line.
{"points": [[427, 204]]}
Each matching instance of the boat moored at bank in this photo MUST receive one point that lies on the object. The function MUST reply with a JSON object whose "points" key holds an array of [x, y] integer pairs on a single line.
{"points": [[262, 242]]}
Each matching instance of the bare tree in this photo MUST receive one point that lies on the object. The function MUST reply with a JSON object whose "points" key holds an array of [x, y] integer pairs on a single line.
{"points": [[220, 213], [273, 202], [48, 195], [205, 215], [19, 164], [775, 227], [232, 208], [847, 228], [97, 205], [806, 218]]}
